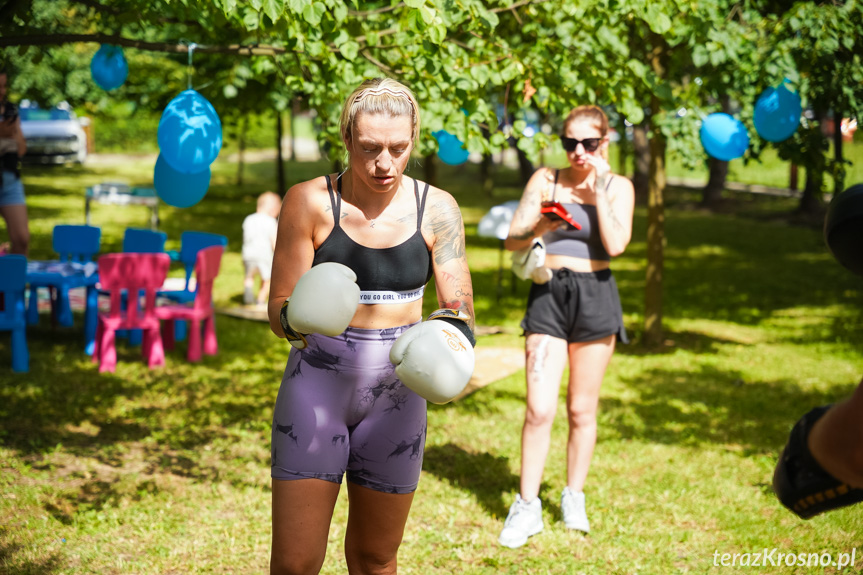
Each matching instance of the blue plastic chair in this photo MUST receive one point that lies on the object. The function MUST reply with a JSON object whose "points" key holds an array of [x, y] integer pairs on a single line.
{"points": [[190, 244], [75, 244], [13, 279], [142, 241]]}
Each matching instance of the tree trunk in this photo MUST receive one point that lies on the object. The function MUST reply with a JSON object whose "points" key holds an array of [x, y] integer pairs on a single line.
{"points": [[525, 166], [839, 177], [712, 192], [623, 148], [810, 200], [653, 336], [485, 170], [792, 177], [295, 111], [430, 170], [280, 160], [241, 151], [641, 165]]}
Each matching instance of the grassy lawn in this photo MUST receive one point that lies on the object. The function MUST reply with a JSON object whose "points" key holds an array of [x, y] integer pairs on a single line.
{"points": [[167, 471]]}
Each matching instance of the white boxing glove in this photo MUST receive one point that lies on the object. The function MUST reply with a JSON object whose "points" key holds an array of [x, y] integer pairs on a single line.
{"points": [[435, 358], [324, 301]]}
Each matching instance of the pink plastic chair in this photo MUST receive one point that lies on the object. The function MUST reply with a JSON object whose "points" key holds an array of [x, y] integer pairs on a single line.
{"points": [[201, 310], [130, 273]]}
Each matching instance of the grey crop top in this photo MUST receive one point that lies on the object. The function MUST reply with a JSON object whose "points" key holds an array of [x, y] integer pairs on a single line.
{"points": [[584, 243]]}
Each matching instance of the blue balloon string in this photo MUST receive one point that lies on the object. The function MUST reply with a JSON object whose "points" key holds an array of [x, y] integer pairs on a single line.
{"points": [[189, 69]]}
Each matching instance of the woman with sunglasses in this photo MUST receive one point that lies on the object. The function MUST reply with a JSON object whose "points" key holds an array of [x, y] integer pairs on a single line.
{"points": [[573, 312]]}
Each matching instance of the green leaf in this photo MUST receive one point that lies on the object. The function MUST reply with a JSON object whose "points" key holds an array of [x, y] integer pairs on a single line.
{"points": [[414, 3], [638, 68], [631, 110], [251, 19], [350, 50], [700, 55], [274, 8], [437, 34], [428, 13], [313, 13], [341, 38], [658, 21], [415, 22], [340, 12], [612, 40]]}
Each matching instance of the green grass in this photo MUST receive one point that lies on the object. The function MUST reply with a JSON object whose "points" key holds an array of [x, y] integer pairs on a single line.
{"points": [[167, 471]]}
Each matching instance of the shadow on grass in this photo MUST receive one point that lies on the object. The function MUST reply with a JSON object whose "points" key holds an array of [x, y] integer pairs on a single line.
{"points": [[182, 406], [485, 475], [709, 406], [14, 557]]}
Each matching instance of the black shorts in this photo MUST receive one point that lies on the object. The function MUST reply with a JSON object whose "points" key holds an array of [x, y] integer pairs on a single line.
{"points": [[576, 306]]}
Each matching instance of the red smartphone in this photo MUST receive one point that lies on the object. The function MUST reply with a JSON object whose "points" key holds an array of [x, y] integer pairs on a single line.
{"points": [[556, 211]]}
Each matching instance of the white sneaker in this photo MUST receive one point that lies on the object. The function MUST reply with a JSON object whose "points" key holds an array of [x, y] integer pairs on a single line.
{"points": [[524, 520], [572, 506]]}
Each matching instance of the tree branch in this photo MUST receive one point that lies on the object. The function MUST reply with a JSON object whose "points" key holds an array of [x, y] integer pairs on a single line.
{"points": [[517, 5], [58, 39], [375, 61]]}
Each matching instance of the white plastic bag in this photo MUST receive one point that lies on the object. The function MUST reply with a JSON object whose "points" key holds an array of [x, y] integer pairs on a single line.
{"points": [[526, 261]]}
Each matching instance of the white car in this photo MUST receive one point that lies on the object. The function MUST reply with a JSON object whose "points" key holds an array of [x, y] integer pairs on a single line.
{"points": [[54, 136]]}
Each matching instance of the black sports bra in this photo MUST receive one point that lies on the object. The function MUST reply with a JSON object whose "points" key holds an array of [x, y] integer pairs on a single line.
{"points": [[395, 274]]}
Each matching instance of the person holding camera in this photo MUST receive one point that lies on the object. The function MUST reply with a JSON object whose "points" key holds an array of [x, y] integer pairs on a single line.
{"points": [[573, 310], [12, 148]]}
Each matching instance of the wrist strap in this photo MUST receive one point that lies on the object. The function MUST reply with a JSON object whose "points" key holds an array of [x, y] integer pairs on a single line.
{"points": [[298, 340], [456, 318]]}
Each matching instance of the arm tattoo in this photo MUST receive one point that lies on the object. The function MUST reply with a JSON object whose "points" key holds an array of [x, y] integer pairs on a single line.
{"points": [[612, 217], [524, 224], [464, 305], [446, 225]]}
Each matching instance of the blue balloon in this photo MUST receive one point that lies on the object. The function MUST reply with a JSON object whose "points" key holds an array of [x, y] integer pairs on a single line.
{"points": [[190, 133], [108, 67], [723, 137], [450, 149], [178, 189], [777, 114]]}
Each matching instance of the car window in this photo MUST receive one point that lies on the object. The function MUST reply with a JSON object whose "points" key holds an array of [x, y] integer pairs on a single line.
{"points": [[60, 114], [37, 114]]}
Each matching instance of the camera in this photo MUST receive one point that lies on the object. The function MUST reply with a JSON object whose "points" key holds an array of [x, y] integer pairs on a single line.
{"points": [[10, 112]]}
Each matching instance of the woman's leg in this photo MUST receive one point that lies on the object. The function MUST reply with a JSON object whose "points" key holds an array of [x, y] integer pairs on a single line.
{"points": [[18, 227], [587, 364], [545, 358], [376, 525], [302, 511]]}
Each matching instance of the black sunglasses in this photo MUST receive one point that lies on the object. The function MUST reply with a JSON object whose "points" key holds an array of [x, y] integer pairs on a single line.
{"points": [[590, 144]]}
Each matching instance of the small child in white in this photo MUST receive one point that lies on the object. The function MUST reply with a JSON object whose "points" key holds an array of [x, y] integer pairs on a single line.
{"points": [[259, 240]]}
